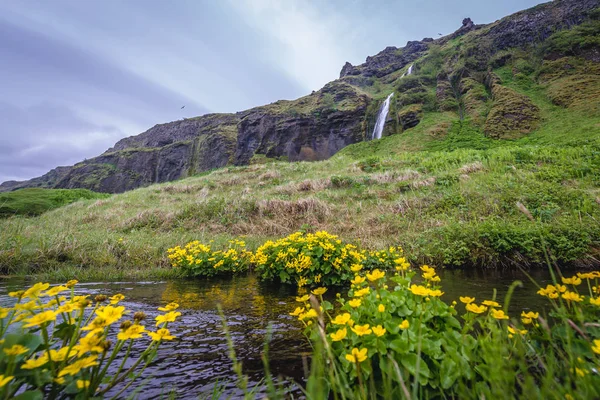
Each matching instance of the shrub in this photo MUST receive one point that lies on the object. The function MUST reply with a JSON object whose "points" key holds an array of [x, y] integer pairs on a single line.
{"points": [[308, 259], [64, 347], [197, 259]]}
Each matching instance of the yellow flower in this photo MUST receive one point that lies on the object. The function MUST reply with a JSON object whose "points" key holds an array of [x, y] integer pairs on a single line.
{"points": [[16, 350], [530, 314], [72, 283], [474, 308], [512, 331], [375, 275], [90, 343], [574, 280], [466, 300], [297, 311], [596, 346], [4, 312], [589, 275], [4, 380], [161, 334], [309, 314], [56, 290], [40, 319], [18, 294], [303, 299], [110, 314], [354, 303], [357, 356], [61, 354], [341, 319], [29, 306], [490, 303], [356, 267], [74, 368], [361, 330], [419, 290], [66, 308], [117, 298], [319, 291], [36, 290], [302, 281], [133, 332], [33, 363], [435, 293], [379, 330], [82, 384], [404, 325], [169, 307], [168, 317], [572, 296], [499, 314], [339, 335], [381, 308], [362, 292], [595, 301], [358, 280]]}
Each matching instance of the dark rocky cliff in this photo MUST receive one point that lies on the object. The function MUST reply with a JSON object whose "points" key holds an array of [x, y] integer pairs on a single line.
{"points": [[458, 78]]}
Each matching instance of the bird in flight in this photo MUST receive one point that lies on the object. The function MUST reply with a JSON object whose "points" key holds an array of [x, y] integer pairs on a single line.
{"points": [[182, 107]]}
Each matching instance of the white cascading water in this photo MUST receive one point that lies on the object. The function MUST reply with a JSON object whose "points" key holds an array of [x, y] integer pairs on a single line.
{"points": [[383, 111]]}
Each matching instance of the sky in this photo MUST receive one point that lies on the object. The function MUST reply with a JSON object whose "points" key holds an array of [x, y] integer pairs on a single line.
{"points": [[78, 75]]}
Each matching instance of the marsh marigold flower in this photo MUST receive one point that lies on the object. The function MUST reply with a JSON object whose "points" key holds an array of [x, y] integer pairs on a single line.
{"points": [[357, 356], [303, 299], [404, 325], [357, 280], [499, 314], [574, 280], [375, 275], [319, 291], [161, 334], [4, 380], [116, 298], [171, 316], [379, 330], [572, 296], [361, 330], [74, 368], [381, 308], [474, 308], [355, 303], [133, 332], [340, 334], [490, 303], [40, 319], [419, 290], [466, 300], [36, 290], [341, 319], [16, 350], [596, 346], [34, 363], [595, 301], [297, 311], [362, 292]]}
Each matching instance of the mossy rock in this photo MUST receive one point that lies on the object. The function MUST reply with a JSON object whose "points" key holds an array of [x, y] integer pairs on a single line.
{"points": [[410, 116], [512, 114]]}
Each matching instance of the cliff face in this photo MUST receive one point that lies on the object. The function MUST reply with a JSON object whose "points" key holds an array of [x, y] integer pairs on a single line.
{"points": [[452, 74]]}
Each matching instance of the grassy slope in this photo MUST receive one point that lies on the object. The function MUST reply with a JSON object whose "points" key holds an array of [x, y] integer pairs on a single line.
{"points": [[33, 202], [441, 190]]}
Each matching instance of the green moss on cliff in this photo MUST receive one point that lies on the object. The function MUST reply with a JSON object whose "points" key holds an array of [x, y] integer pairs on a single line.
{"points": [[32, 202]]}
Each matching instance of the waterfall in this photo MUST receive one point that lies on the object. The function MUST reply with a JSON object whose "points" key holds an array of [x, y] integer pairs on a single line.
{"points": [[383, 112]]}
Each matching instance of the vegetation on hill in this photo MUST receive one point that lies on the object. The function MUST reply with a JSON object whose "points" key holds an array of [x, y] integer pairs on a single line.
{"points": [[31, 202]]}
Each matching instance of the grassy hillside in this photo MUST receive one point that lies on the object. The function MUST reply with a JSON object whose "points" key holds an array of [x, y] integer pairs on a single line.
{"points": [[31, 202], [496, 128]]}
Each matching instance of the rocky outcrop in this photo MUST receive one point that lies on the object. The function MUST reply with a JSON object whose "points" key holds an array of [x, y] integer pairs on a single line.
{"points": [[410, 116]]}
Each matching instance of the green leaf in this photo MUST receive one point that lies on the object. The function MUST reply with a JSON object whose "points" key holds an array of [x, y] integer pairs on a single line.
{"points": [[409, 361], [30, 395], [449, 372]]}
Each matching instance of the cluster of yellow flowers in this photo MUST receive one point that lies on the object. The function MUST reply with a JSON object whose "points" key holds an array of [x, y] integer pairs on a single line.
{"points": [[66, 340], [198, 259], [573, 296], [307, 258]]}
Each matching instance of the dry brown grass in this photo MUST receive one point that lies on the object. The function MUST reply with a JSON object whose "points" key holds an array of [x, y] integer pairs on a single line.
{"points": [[425, 182], [98, 203], [470, 168], [179, 188], [301, 208], [307, 185], [153, 218], [269, 175]]}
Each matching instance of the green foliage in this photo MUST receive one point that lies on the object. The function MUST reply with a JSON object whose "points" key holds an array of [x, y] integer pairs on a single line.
{"points": [[395, 338], [31, 202], [571, 41], [463, 135], [196, 259]]}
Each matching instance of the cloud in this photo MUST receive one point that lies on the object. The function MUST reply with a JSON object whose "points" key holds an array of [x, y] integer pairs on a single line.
{"points": [[38, 138]]}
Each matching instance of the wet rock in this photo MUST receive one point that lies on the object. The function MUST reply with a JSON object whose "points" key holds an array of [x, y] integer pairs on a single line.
{"points": [[410, 116]]}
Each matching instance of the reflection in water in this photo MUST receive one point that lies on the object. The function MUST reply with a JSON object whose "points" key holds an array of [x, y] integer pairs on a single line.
{"points": [[199, 358]]}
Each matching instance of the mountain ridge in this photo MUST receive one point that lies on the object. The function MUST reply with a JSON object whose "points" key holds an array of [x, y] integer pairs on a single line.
{"points": [[341, 113]]}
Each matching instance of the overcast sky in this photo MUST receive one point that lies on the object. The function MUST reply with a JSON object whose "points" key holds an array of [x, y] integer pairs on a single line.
{"points": [[78, 75]]}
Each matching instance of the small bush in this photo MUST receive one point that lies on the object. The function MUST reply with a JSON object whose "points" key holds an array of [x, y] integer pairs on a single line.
{"points": [[197, 259]]}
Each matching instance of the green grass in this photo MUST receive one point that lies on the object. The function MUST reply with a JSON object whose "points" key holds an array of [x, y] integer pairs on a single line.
{"points": [[33, 202]]}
